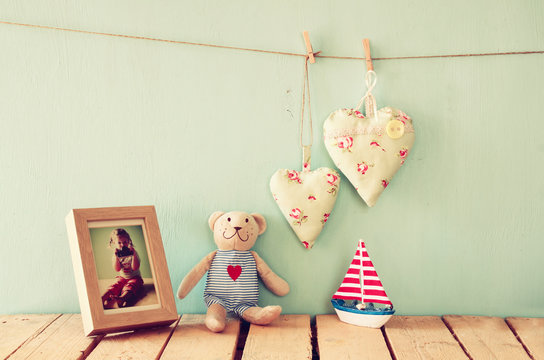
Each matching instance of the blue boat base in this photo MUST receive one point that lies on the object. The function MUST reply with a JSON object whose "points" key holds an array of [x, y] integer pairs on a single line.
{"points": [[370, 309]]}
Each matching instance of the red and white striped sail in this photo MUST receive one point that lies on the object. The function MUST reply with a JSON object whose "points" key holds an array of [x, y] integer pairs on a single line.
{"points": [[372, 289]]}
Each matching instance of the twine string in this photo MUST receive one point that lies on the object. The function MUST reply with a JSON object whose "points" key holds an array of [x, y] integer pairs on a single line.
{"points": [[306, 87], [306, 149], [45, 27]]}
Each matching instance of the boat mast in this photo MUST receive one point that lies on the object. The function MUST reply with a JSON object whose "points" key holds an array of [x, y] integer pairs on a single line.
{"points": [[361, 276]]}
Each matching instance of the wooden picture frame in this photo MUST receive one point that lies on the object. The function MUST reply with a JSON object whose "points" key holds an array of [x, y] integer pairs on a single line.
{"points": [[93, 246]]}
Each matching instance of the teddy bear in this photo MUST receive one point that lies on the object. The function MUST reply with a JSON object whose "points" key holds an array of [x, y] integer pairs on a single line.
{"points": [[233, 271]]}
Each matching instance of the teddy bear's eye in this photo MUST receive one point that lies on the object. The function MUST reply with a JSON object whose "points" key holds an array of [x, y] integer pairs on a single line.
{"points": [[228, 219], [247, 220]]}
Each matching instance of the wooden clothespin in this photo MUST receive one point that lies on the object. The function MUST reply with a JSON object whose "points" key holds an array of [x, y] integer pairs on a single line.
{"points": [[366, 46], [309, 49]]}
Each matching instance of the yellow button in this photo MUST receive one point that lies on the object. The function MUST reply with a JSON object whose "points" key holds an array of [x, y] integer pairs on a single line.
{"points": [[395, 129]]}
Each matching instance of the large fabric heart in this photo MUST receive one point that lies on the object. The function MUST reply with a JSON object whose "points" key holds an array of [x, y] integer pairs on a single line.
{"points": [[369, 150], [305, 199]]}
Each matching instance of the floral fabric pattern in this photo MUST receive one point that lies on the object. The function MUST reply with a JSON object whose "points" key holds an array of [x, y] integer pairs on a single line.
{"points": [[363, 167], [333, 180], [325, 218], [306, 200], [403, 153], [299, 216], [345, 143], [293, 176], [361, 148]]}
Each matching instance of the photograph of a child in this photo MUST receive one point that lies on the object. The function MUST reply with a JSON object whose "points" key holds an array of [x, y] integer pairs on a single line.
{"points": [[122, 265]]}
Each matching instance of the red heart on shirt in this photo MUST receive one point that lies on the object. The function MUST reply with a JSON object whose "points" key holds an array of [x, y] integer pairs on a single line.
{"points": [[234, 271]]}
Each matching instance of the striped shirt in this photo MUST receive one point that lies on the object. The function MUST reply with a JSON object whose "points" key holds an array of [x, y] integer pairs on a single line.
{"points": [[233, 279]]}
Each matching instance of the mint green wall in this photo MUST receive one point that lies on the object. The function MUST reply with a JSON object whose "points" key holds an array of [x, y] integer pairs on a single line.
{"points": [[93, 121]]}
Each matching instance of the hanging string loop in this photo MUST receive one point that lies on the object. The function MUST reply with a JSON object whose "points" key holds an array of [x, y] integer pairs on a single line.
{"points": [[371, 108], [306, 148]]}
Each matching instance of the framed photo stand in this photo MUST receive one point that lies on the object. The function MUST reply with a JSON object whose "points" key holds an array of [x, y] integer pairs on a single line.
{"points": [[120, 269]]}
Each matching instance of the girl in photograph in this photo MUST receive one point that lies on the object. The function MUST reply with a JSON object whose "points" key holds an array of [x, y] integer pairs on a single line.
{"points": [[128, 286]]}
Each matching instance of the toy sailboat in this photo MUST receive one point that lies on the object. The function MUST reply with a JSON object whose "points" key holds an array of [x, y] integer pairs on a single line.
{"points": [[370, 292]]}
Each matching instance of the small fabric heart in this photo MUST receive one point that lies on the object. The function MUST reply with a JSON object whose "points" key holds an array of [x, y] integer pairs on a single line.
{"points": [[234, 271], [305, 199], [369, 150]]}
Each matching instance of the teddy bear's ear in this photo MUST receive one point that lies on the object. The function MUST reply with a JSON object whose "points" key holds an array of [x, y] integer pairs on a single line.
{"points": [[213, 218], [259, 219]]}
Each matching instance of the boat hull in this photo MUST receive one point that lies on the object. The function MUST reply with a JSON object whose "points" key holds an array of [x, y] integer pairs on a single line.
{"points": [[371, 319]]}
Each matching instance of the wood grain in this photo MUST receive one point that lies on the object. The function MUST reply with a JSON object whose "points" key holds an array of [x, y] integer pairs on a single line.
{"points": [[338, 340], [62, 339], [17, 330], [486, 337], [134, 345], [95, 320], [530, 332], [422, 337], [288, 337], [192, 340]]}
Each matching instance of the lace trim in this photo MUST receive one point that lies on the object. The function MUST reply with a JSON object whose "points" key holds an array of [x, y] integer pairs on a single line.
{"points": [[377, 130]]}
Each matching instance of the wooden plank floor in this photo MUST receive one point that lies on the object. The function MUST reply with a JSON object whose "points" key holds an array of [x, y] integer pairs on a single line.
{"points": [[422, 337], [192, 340], [486, 337], [289, 337], [60, 339], [530, 332], [338, 340]]}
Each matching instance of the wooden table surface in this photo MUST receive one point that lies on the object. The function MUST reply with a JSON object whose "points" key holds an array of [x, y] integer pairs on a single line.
{"points": [[60, 336]]}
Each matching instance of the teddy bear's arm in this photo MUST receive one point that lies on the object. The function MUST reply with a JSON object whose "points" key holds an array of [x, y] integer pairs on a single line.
{"points": [[272, 281], [193, 277]]}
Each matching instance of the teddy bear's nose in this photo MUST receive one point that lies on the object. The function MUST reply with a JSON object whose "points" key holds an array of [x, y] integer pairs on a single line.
{"points": [[237, 228]]}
